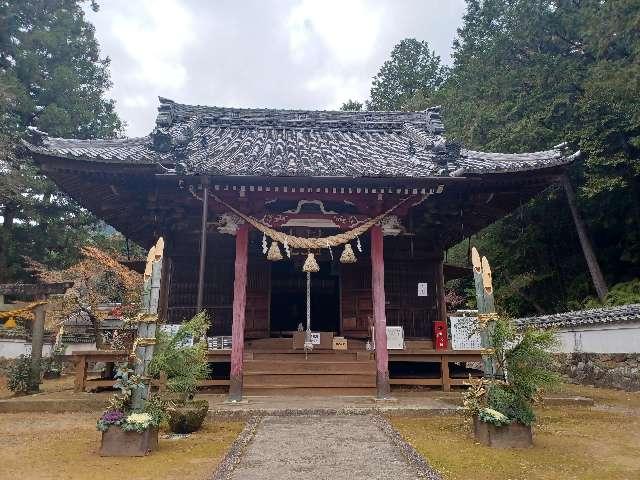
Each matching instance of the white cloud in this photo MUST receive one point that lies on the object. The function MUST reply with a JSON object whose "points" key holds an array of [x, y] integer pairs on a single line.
{"points": [[348, 29], [155, 34], [338, 89]]}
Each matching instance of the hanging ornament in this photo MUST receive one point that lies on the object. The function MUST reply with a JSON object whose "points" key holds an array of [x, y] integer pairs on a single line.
{"points": [[286, 248], [264, 244], [330, 251], [347, 255], [358, 244], [310, 264], [274, 252]]}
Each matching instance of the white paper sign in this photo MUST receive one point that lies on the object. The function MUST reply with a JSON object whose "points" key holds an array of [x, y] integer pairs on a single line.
{"points": [[395, 338], [315, 338], [465, 334], [422, 289]]}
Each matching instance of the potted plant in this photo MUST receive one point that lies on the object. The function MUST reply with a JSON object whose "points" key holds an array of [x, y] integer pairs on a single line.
{"points": [[127, 432], [184, 362], [502, 407]]}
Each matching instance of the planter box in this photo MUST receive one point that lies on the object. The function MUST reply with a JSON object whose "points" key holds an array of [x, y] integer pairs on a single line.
{"points": [[189, 417], [118, 443], [514, 435]]}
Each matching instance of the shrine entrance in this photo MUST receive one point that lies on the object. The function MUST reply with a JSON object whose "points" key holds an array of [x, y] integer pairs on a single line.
{"points": [[288, 299]]}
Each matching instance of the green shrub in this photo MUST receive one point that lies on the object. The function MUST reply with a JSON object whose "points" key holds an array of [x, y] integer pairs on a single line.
{"points": [[20, 379], [184, 365], [523, 363], [620, 294]]}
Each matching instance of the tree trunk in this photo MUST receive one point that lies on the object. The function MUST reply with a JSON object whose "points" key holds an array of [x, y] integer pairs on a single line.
{"points": [[587, 249], [5, 240]]}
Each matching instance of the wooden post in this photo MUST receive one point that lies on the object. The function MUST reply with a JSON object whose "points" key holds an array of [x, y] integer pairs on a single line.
{"points": [[81, 374], [203, 248], [446, 378], [441, 301], [37, 337], [239, 305], [587, 248], [379, 315]]}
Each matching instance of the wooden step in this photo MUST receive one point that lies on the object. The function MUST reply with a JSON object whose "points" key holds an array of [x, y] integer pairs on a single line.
{"points": [[309, 381], [309, 367], [316, 356], [308, 392]]}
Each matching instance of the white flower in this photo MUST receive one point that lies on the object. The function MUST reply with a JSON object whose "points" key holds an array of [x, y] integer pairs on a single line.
{"points": [[496, 414], [139, 418]]}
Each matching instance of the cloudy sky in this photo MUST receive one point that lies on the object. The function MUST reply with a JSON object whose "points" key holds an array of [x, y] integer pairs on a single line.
{"points": [[312, 54]]}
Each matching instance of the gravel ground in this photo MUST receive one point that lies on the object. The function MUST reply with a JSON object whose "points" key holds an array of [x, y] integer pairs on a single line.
{"points": [[322, 447]]}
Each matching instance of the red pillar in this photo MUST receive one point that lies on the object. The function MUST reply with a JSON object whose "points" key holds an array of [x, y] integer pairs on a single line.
{"points": [[239, 304], [379, 316]]}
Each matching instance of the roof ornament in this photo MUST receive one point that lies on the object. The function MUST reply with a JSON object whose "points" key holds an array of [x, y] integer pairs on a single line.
{"points": [[36, 137], [434, 120]]}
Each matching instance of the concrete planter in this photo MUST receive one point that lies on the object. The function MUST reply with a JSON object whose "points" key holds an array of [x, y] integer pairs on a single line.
{"points": [[118, 443], [514, 435], [189, 417]]}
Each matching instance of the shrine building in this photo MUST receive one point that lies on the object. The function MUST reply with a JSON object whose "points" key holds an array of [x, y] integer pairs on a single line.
{"points": [[291, 228]]}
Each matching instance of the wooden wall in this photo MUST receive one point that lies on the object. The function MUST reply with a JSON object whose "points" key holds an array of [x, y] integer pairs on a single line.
{"points": [[407, 262]]}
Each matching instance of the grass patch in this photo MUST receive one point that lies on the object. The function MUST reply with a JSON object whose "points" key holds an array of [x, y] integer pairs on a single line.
{"points": [[54, 446], [569, 442]]}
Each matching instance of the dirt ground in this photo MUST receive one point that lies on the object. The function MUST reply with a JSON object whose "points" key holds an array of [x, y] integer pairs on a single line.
{"points": [[64, 383], [64, 446], [585, 443]]}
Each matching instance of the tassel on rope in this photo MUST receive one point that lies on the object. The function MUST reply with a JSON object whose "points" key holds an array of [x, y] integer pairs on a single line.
{"points": [[264, 244], [347, 255], [310, 264], [286, 248], [358, 244], [274, 253]]}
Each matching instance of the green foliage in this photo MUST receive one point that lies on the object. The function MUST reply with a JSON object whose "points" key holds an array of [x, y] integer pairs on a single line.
{"points": [[19, 379], [351, 106], [183, 364], [527, 76], [413, 69], [525, 359], [620, 294], [52, 78]]}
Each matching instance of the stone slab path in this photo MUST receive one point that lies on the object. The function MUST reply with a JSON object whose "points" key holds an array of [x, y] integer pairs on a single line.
{"points": [[324, 447]]}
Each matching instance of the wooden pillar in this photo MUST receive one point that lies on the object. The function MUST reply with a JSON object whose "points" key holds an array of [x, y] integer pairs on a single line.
{"points": [[587, 249], [379, 315], [203, 248], [37, 338], [440, 296], [239, 305]]}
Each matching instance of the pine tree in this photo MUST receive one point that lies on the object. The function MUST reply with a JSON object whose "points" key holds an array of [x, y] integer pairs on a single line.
{"points": [[53, 78]]}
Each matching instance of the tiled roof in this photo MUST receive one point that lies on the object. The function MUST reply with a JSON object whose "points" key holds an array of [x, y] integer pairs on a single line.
{"points": [[624, 313], [263, 142]]}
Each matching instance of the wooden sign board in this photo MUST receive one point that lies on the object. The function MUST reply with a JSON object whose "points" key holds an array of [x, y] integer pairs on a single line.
{"points": [[339, 343], [465, 334]]}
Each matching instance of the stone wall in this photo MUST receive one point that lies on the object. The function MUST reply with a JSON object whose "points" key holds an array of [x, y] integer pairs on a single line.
{"points": [[613, 370]]}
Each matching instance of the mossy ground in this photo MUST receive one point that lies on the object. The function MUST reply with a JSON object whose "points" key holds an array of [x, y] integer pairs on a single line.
{"points": [[584, 443], [54, 446]]}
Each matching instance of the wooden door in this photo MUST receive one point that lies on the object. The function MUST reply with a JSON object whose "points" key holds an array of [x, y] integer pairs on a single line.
{"points": [[258, 298], [356, 299]]}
